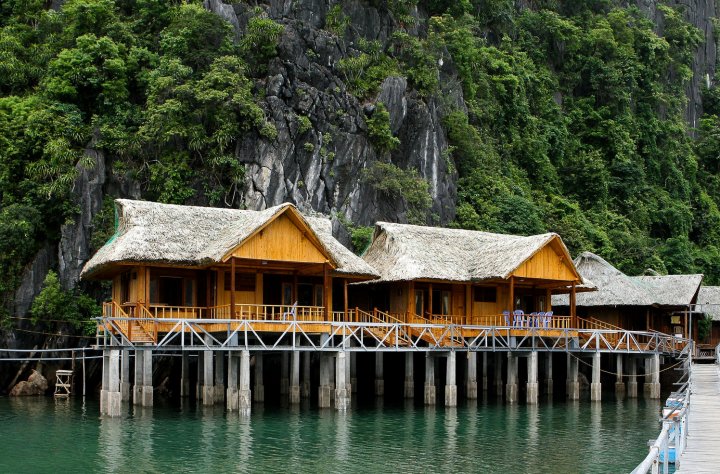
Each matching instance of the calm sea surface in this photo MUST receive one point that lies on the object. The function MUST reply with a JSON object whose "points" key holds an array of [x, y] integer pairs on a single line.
{"points": [[44, 435]]}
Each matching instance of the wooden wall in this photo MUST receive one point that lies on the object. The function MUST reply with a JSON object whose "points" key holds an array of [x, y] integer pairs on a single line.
{"points": [[548, 264], [398, 297], [281, 240], [241, 297]]}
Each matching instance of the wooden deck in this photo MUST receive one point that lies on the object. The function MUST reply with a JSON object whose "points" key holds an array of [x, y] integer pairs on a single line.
{"points": [[702, 452]]}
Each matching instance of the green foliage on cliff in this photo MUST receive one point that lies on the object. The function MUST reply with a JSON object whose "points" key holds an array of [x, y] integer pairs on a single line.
{"points": [[392, 181], [57, 306], [575, 124], [161, 86]]}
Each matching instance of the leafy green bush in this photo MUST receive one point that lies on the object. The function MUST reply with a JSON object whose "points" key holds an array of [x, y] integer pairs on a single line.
{"points": [[407, 185], [259, 44], [379, 129], [365, 71], [304, 124], [53, 304], [361, 237], [336, 22]]}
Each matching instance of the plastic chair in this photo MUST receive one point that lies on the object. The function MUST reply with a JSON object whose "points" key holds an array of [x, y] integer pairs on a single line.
{"points": [[547, 319], [507, 317], [532, 320], [292, 314], [519, 318]]}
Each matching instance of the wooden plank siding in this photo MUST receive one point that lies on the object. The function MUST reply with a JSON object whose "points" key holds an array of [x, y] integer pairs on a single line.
{"points": [[281, 240], [547, 264]]}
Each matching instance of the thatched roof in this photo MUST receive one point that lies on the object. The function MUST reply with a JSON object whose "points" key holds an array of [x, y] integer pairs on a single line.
{"points": [[618, 289], [403, 252], [708, 301], [169, 234]]}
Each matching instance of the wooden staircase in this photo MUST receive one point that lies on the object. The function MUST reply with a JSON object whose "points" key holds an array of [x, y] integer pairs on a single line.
{"points": [[134, 330], [388, 335]]}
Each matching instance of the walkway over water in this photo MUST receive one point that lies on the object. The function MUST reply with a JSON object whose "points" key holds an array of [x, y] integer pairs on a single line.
{"points": [[703, 438]]}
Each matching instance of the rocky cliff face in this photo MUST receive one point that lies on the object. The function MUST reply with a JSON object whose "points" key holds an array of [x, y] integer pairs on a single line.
{"points": [[321, 169], [701, 14]]}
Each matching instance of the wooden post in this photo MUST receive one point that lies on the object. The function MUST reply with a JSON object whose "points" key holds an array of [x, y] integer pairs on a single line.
{"points": [[468, 304], [410, 298], [686, 324], [430, 300], [573, 315], [345, 297], [232, 287], [295, 289], [326, 291], [548, 300], [647, 319], [208, 293], [512, 294]]}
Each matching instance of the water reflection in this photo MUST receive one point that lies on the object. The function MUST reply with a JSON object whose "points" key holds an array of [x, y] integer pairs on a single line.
{"points": [[451, 426], [342, 439], [407, 437], [111, 439]]}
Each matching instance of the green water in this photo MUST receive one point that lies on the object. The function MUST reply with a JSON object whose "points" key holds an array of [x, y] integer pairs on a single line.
{"points": [[44, 435]]}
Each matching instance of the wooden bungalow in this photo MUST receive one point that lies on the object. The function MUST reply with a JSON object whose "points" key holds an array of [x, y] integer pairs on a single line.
{"points": [[438, 275], [639, 303], [708, 306], [169, 261]]}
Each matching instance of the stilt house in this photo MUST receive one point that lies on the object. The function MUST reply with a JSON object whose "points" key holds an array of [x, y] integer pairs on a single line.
{"points": [[639, 303], [169, 261], [464, 277]]}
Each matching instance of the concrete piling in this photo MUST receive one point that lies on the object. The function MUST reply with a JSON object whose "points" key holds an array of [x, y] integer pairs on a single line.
{"points": [[114, 397], [619, 382], [185, 376], [596, 385], [207, 390], [219, 377], [572, 385], [305, 385], [232, 400], [632, 385], [284, 373], [430, 395], [499, 387], [324, 388], [451, 380], [471, 387], [244, 395], [125, 375], [379, 381], [295, 378], [147, 377], [409, 391], [531, 395], [652, 376], [259, 389], [511, 388], [342, 400], [138, 378], [484, 372], [549, 374]]}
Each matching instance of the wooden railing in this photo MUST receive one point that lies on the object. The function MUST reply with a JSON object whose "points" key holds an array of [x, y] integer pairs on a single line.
{"points": [[113, 310], [260, 312], [593, 323], [175, 312]]}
